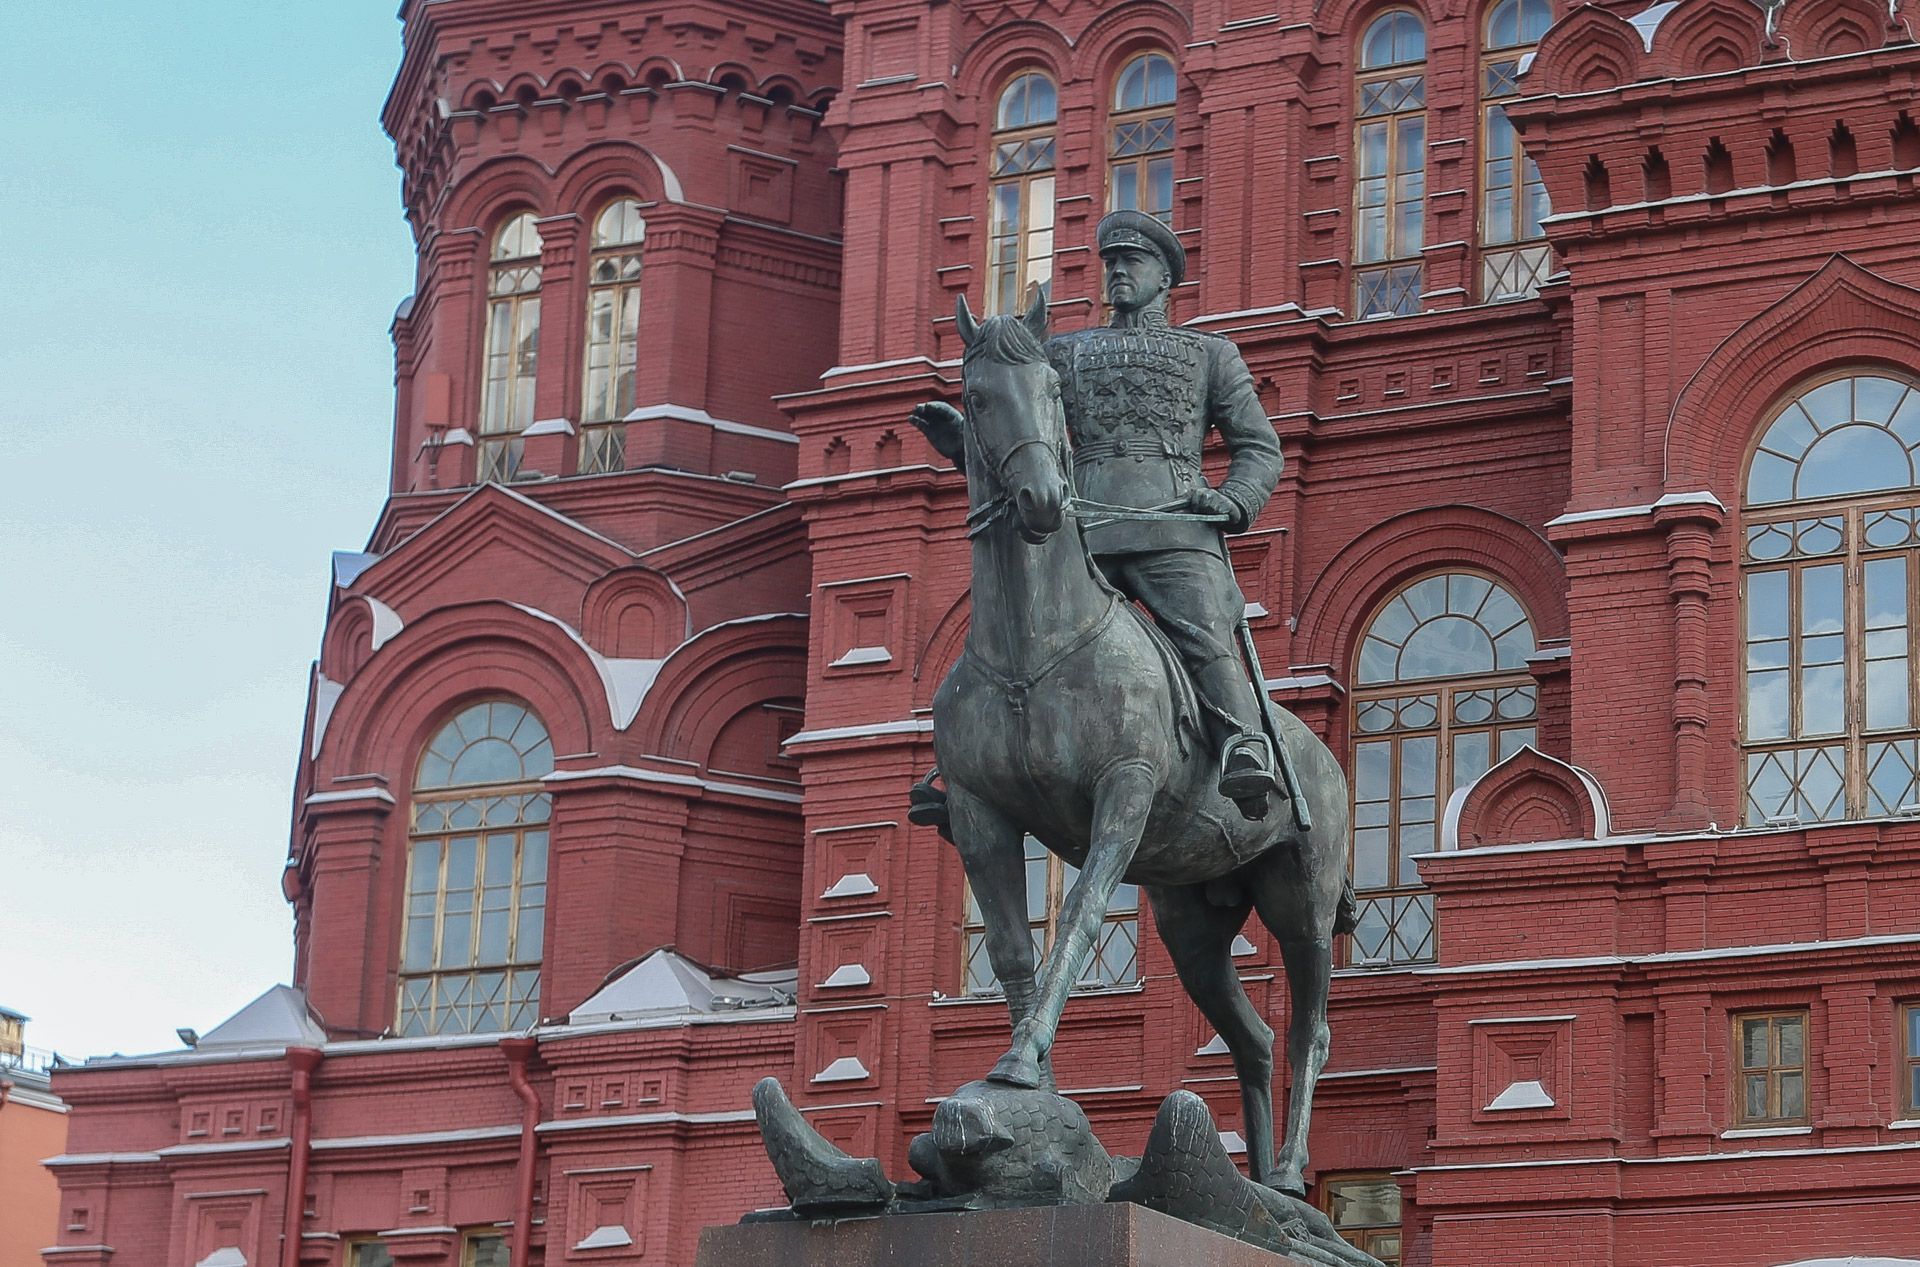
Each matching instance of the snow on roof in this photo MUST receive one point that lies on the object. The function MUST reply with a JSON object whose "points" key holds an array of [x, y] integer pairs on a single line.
{"points": [[1648, 20], [348, 565], [665, 983], [278, 1018]]}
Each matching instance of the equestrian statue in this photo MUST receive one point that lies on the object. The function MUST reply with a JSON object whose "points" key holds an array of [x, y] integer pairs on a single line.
{"points": [[1109, 703]]}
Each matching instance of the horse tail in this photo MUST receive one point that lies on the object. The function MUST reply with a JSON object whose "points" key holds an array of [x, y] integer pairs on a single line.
{"points": [[1346, 916]]}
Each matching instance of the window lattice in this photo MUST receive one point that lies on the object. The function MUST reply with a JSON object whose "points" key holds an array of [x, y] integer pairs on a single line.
{"points": [[1513, 197], [1442, 694], [1830, 568], [1390, 186], [1021, 196], [613, 336], [512, 347], [1116, 948], [1140, 144], [475, 916]]}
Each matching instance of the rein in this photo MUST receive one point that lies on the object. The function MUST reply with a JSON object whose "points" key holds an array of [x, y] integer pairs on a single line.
{"points": [[1092, 514]]}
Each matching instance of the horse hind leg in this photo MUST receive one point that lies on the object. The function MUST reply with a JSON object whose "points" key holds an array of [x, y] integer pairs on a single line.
{"points": [[992, 851], [1289, 904], [1198, 936]]}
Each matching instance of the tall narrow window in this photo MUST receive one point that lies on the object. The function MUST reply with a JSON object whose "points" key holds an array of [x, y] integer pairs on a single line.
{"points": [[1020, 220], [512, 346], [1513, 199], [1116, 948], [477, 875], [1140, 154], [1831, 544], [1773, 1069], [613, 336], [1390, 189], [1365, 1210], [1441, 695], [1910, 1060]]}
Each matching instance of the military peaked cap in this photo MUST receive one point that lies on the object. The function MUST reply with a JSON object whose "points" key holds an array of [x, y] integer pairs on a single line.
{"points": [[1137, 228]]}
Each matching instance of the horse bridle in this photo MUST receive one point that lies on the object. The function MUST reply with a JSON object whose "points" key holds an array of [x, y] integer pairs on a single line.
{"points": [[983, 516]]}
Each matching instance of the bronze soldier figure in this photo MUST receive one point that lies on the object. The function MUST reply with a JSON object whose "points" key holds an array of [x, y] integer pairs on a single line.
{"points": [[1140, 396]]}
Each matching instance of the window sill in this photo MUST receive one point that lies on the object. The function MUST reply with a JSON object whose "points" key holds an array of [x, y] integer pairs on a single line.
{"points": [[1097, 992], [1767, 1132], [1905, 1124]]}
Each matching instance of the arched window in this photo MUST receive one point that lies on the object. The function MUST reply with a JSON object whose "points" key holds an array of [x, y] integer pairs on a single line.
{"points": [[1116, 948], [1513, 198], [1020, 215], [1390, 188], [1831, 536], [512, 346], [1140, 151], [613, 336], [477, 875], [1441, 694]]}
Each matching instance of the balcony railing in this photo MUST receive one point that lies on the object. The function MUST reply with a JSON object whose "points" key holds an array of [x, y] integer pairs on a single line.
{"points": [[30, 1060]]}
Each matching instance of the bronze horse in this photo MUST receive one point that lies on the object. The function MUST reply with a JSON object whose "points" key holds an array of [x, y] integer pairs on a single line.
{"points": [[1068, 717]]}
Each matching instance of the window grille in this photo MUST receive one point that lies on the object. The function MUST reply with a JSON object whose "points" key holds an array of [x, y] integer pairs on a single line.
{"points": [[1830, 545], [1021, 196], [1140, 132], [1513, 198], [1116, 948], [1441, 694], [1390, 189], [613, 336], [476, 875], [1365, 1210], [512, 347], [1772, 1051]]}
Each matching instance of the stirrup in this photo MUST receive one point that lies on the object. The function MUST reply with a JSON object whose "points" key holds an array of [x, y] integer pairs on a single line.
{"points": [[927, 805], [1246, 772]]}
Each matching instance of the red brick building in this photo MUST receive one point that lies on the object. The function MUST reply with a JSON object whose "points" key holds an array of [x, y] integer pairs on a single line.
{"points": [[1595, 553]]}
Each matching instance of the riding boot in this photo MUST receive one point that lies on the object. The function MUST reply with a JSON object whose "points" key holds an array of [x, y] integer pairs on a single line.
{"points": [[1247, 772], [927, 805]]}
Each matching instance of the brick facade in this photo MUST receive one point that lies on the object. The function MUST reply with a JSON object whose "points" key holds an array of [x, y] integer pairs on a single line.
{"points": [[733, 639]]}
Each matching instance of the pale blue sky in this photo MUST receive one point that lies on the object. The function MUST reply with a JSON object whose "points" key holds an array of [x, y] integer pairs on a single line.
{"points": [[204, 249]]}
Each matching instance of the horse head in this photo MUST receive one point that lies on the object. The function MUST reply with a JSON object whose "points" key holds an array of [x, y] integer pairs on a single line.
{"points": [[1017, 436]]}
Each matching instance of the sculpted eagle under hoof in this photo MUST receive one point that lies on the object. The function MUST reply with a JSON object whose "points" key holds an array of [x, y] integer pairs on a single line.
{"points": [[817, 1176], [1186, 1172]]}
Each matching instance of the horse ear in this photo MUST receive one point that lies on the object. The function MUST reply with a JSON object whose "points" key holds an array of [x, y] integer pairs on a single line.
{"points": [[1036, 318], [963, 317]]}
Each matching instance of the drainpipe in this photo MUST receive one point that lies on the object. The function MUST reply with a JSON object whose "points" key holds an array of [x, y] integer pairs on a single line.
{"points": [[303, 1060], [518, 1051]]}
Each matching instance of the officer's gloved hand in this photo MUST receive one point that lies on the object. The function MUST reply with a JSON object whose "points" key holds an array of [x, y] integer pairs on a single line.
{"points": [[1211, 501], [945, 429]]}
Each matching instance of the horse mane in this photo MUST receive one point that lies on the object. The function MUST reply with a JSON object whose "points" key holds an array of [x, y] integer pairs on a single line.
{"points": [[1005, 339]]}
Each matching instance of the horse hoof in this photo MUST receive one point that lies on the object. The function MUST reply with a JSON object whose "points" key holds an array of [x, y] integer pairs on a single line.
{"points": [[1015, 1070], [1291, 1184]]}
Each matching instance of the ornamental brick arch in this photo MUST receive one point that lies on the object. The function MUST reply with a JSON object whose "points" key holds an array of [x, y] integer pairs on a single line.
{"points": [[1709, 37], [1842, 315], [1121, 33], [714, 677], [1348, 590], [1832, 28], [1344, 22], [495, 189], [635, 613], [1589, 50], [942, 650], [348, 643], [597, 174], [991, 61], [1528, 798], [448, 658]]}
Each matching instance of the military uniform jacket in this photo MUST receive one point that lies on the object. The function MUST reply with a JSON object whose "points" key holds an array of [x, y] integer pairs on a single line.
{"points": [[1139, 401]]}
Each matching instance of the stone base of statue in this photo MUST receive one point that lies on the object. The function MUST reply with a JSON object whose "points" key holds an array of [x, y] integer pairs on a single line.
{"points": [[1108, 1235], [1010, 1176]]}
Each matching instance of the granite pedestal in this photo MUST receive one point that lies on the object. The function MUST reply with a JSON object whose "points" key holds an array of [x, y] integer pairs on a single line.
{"points": [[1116, 1234]]}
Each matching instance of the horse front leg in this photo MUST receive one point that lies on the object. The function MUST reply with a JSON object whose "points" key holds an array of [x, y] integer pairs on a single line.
{"points": [[1309, 963], [1120, 806], [993, 854]]}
